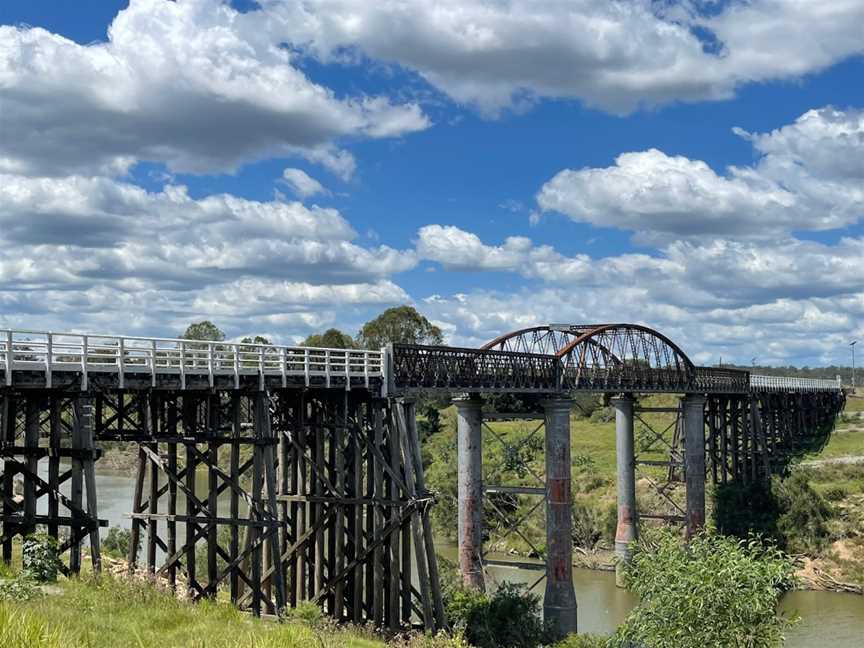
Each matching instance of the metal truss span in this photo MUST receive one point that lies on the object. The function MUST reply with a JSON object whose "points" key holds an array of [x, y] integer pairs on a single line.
{"points": [[609, 358]]}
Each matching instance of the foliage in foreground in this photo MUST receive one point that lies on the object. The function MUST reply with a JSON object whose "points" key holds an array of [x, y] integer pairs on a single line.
{"points": [[714, 591], [509, 618]]}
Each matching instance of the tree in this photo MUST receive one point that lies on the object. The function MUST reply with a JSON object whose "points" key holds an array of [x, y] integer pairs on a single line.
{"points": [[330, 339], [714, 591], [205, 330], [258, 339], [399, 325]]}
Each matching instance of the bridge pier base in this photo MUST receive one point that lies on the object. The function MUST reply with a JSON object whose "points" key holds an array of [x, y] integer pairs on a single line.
{"points": [[470, 490], [694, 461], [559, 605], [626, 530]]}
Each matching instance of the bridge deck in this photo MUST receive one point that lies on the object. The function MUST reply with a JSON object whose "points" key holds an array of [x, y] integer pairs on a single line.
{"points": [[41, 359], [87, 361]]}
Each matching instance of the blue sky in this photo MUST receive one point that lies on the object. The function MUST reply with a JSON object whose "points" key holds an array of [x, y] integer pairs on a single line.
{"points": [[281, 167]]}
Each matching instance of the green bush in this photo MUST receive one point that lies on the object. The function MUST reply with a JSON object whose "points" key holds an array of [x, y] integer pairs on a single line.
{"points": [[593, 523], [836, 494], [714, 591], [787, 511], [18, 590], [582, 641], [40, 558], [509, 618], [117, 542], [602, 415], [803, 523]]}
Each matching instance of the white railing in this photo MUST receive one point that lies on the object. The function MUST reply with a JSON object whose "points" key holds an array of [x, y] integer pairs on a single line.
{"points": [[123, 355], [779, 383]]}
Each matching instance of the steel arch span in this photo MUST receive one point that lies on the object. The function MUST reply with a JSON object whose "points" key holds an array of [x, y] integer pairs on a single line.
{"points": [[607, 357]]}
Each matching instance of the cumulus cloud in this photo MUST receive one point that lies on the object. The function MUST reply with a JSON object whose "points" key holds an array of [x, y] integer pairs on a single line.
{"points": [[193, 84], [90, 248], [720, 297], [302, 183], [613, 55], [809, 177]]}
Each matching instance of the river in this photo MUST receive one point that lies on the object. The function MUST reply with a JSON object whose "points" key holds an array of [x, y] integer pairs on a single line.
{"points": [[827, 618]]}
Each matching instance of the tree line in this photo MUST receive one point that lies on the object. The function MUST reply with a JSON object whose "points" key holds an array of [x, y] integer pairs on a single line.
{"points": [[397, 325]]}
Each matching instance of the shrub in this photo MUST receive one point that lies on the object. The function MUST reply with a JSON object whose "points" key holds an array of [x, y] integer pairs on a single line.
{"points": [[836, 494], [19, 589], [591, 523], [117, 542], [509, 618], [788, 511], [603, 415], [40, 558], [714, 591], [582, 641], [803, 523]]}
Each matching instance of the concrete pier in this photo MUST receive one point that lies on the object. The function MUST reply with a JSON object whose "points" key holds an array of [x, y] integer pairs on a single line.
{"points": [[694, 461], [469, 418], [626, 530], [559, 605]]}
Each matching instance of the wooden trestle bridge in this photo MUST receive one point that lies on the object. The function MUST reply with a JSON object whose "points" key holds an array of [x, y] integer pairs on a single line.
{"points": [[317, 450]]}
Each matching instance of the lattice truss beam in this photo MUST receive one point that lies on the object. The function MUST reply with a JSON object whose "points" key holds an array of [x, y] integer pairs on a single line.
{"points": [[515, 491], [47, 447]]}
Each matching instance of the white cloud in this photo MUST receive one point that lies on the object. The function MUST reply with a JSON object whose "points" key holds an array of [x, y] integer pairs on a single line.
{"points": [[89, 252], [613, 55], [193, 84], [808, 178], [302, 183], [718, 297]]}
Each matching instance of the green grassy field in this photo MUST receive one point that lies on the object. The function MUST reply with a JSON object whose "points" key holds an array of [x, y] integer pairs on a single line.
{"points": [[112, 612]]}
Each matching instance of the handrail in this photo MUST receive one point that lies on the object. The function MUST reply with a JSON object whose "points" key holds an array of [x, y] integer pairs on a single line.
{"points": [[786, 384], [90, 353]]}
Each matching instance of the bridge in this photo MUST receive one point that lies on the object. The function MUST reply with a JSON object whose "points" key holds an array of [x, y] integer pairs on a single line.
{"points": [[318, 452]]}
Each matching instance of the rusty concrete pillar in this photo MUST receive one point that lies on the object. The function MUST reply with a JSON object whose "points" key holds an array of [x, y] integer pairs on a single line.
{"points": [[559, 604], [694, 461], [625, 456], [469, 417]]}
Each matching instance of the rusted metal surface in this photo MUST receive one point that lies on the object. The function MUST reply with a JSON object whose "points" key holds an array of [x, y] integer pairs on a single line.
{"points": [[626, 529], [559, 603], [470, 490]]}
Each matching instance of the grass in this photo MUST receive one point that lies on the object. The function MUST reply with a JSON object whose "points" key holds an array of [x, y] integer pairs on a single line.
{"points": [[111, 611]]}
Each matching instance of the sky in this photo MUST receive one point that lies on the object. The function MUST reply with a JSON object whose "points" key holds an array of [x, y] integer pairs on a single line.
{"points": [[283, 166]]}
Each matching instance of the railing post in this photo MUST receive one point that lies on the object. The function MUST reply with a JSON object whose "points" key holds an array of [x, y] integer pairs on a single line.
{"points": [[347, 357], [49, 347], [283, 363], [261, 368], [327, 365], [236, 366], [366, 368], [153, 363], [8, 358], [182, 365], [85, 351], [120, 363], [210, 364]]}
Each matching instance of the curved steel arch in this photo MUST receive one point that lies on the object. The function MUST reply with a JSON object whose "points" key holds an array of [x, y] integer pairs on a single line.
{"points": [[606, 357]]}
